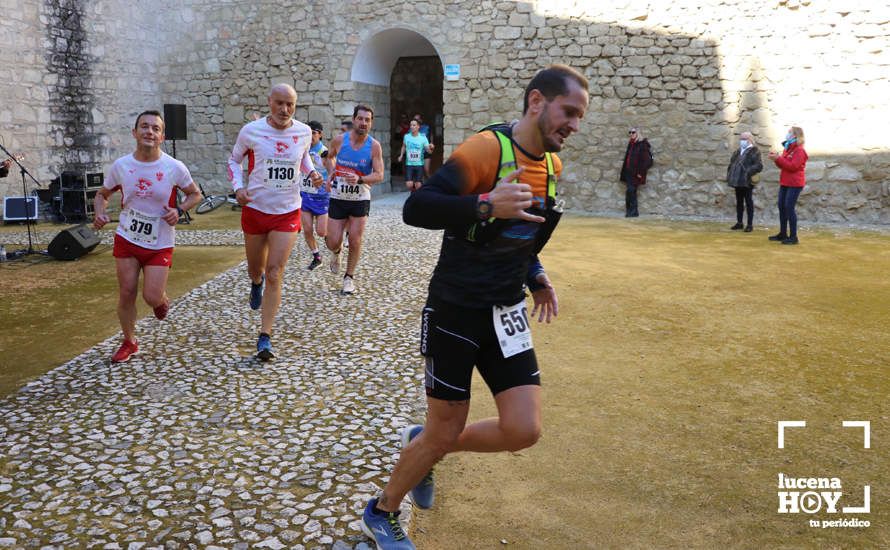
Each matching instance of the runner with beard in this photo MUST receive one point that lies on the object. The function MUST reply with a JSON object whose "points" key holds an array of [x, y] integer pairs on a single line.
{"points": [[495, 198]]}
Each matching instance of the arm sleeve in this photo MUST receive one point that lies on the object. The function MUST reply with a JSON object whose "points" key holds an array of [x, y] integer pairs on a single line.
{"points": [[794, 164], [449, 198], [183, 176], [306, 165], [534, 269], [235, 160], [438, 203], [110, 181], [757, 162]]}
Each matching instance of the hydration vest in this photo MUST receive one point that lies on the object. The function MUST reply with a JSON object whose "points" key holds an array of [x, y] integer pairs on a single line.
{"points": [[507, 165]]}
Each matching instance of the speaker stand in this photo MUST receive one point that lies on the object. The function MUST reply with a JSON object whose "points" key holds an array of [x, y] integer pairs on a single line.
{"points": [[18, 254]]}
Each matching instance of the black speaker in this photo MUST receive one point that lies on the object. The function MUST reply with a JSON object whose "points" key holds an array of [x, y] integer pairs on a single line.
{"points": [[175, 126], [74, 242]]}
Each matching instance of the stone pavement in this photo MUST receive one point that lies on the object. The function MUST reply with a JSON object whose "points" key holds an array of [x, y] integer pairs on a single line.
{"points": [[195, 444]]}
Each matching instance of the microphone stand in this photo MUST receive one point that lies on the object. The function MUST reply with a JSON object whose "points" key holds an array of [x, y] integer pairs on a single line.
{"points": [[24, 172]]}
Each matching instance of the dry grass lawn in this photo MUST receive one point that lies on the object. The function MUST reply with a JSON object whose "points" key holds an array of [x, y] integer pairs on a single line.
{"points": [[678, 347]]}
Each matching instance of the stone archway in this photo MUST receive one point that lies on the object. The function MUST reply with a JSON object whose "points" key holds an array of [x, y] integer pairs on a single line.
{"points": [[402, 72]]}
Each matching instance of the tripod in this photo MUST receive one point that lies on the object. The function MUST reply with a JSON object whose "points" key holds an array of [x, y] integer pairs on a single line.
{"points": [[28, 218]]}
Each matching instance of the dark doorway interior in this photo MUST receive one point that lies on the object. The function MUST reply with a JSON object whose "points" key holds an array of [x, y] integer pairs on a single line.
{"points": [[416, 87]]}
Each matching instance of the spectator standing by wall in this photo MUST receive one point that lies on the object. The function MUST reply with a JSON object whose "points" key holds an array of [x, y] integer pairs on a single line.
{"points": [[792, 162], [744, 166], [637, 161]]}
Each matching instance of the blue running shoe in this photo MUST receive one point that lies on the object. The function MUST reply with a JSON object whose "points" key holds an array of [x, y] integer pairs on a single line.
{"points": [[256, 293], [385, 529], [425, 492], [264, 348]]}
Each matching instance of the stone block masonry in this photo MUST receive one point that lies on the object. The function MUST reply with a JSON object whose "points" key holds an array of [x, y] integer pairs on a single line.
{"points": [[691, 76]]}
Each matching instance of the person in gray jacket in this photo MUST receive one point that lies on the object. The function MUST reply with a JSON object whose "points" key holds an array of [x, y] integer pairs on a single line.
{"points": [[744, 165]]}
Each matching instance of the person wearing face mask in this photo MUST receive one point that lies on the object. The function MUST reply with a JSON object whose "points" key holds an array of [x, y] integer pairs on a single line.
{"points": [[637, 161], [792, 162], [743, 165]]}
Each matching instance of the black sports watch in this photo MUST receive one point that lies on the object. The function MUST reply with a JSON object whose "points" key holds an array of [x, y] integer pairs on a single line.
{"points": [[483, 207], [361, 180]]}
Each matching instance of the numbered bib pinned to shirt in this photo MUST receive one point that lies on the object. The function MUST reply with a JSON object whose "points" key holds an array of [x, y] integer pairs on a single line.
{"points": [[307, 186], [280, 175], [414, 155], [141, 227], [512, 328], [351, 192]]}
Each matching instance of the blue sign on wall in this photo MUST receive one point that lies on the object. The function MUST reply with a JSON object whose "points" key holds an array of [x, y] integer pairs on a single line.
{"points": [[452, 72]]}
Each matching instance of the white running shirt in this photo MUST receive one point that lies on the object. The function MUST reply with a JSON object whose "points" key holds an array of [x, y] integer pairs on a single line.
{"points": [[146, 188], [276, 163]]}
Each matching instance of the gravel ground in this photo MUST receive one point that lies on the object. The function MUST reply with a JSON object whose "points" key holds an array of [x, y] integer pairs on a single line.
{"points": [[195, 444]]}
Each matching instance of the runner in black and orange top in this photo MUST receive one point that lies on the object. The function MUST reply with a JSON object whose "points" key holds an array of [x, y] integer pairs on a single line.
{"points": [[147, 179], [497, 216]]}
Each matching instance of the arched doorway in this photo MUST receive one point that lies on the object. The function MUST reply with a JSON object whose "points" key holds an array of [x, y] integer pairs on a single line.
{"points": [[403, 71]]}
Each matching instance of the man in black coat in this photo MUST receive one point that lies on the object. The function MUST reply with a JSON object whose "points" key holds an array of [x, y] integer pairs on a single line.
{"points": [[637, 161]]}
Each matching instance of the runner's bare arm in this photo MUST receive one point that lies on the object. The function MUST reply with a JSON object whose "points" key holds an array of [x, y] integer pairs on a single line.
{"points": [[376, 176], [330, 160], [192, 196], [100, 203]]}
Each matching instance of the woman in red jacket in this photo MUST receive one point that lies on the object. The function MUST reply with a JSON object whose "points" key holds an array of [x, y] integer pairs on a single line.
{"points": [[792, 162]]}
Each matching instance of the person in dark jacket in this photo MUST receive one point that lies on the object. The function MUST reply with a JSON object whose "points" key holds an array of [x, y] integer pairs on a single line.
{"points": [[792, 161], [4, 168], [637, 161], [743, 165]]}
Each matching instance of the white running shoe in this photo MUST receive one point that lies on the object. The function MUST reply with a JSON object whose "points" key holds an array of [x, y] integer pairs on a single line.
{"points": [[335, 262], [348, 285]]}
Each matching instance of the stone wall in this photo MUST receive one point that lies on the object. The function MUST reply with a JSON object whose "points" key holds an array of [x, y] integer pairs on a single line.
{"points": [[76, 73], [416, 88], [692, 74]]}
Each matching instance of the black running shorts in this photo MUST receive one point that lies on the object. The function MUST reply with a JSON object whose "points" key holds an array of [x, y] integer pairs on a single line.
{"points": [[454, 339], [339, 209], [414, 173]]}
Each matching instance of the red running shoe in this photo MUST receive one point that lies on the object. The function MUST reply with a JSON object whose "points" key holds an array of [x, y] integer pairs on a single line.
{"points": [[161, 310], [122, 355]]}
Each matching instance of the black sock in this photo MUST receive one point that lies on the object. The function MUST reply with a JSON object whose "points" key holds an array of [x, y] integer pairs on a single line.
{"points": [[266, 335], [377, 511]]}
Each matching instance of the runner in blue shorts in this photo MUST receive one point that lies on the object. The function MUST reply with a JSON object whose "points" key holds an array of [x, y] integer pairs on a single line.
{"points": [[315, 199]]}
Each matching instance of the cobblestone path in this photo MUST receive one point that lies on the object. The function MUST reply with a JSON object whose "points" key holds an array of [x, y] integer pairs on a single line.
{"points": [[195, 444]]}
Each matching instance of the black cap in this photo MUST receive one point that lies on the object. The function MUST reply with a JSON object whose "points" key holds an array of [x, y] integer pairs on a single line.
{"points": [[316, 125]]}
